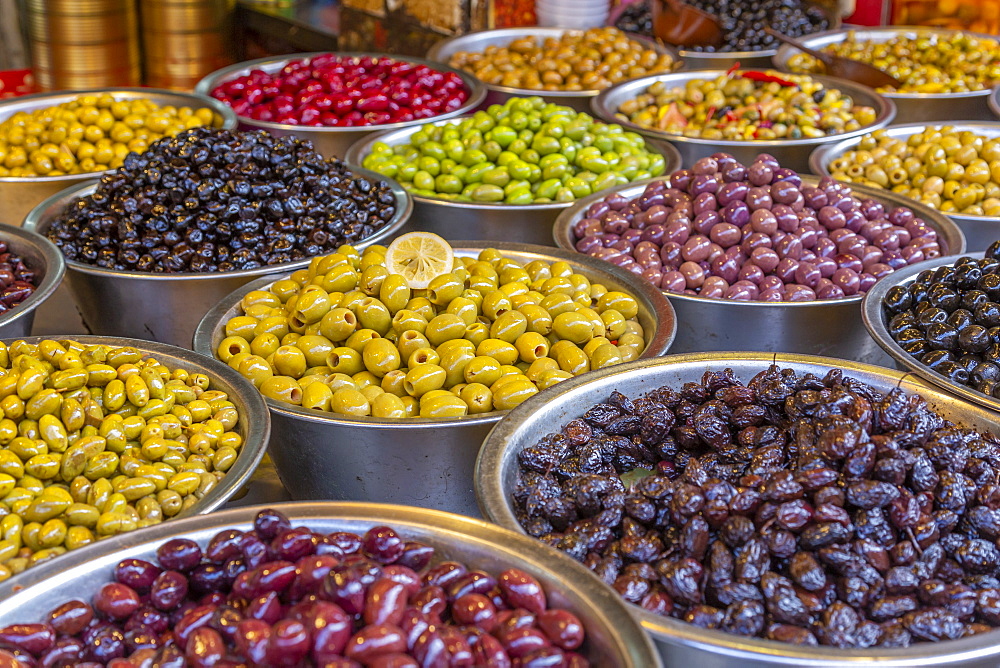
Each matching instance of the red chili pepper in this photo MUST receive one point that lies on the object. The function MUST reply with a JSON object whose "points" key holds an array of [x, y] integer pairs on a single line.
{"points": [[754, 75], [732, 69], [711, 113]]}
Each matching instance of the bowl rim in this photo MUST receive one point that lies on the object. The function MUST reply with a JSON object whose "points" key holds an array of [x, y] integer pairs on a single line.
{"points": [[885, 111], [55, 269], [784, 52], [661, 340], [254, 416], [942, 224], [360, 149], [495, 506], [445, 48], [993, 101], [822, 156], [872, 315], [447, 528], [477, 91], [229, 120], [37, 222]]}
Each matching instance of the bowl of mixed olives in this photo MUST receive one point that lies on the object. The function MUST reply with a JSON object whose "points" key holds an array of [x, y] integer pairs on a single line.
{"points": [[155, 244], [334, 99], [939, 320], [947, 167], [383, 391], [765, 510], [563, 66], [506, 172], [371, 584], [53, 141], [946, 74], [745, 112], [757, 257]]}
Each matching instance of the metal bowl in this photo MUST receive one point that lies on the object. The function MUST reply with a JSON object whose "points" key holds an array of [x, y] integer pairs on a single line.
{"points": [[831, 327], [167, 307], [791, 153], [713, 60], [333, 142], [979, 231], [911, 107], [875, 321], [993, 102], [254, 426], [42, 257], [419, 461], [614, 638], [19, 195], [679, 643], [474, 221], [476, 42]]}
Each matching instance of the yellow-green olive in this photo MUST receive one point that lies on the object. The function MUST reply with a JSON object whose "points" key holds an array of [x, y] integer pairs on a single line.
{"points": [[444, 327], [406, 319], [501, 351], [387, 405], [348, 401], [423, 379], [289, 361], [345, 360], [338, 324], [394, 293], [508, 326], [512, 393], [380, 357], [423, 356], [447, 405], [531, 346]]}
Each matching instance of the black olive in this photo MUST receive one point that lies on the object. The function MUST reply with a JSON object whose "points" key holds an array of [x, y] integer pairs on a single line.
{"points": [[954, 372], [900, 323], [973, 298], [897, 299], [988, 314], [942, 336], [931, 316], [936, 358], [985, 371], [960, 318], [973, 338]]}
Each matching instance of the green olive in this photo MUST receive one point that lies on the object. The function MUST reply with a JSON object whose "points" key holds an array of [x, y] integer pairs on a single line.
{"points": [[347, 401], [338, 324], [394, 293], [381, 356], [423, 379], [444, 327]]}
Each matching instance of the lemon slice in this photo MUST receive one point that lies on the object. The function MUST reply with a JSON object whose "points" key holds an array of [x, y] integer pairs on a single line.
{"points": [[418, 257]]}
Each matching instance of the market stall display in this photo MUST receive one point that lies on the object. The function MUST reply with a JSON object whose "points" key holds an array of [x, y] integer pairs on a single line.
{"points": [[103, 435], [31, 268], [946, 167], [66, 138], [744, 112], [781, 533], [192, 219], [343, 454], [489, 176], [728, 251], [563, 66], [432, 556], [336, 99], [947, 74]]}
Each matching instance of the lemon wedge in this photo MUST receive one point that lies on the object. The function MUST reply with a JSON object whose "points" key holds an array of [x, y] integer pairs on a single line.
{"points": [[419, 257]]}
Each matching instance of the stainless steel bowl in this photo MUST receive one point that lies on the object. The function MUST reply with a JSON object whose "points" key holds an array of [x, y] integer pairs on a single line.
{"points": [[993, 102], [791, 153], [979, 231], [614, 638], [333, 142], [419, 462], [476, 42], [42, 257], [910, 107], [19, 195], [679, 643], [254, 426], [167, 307], [875, 320], [474, 221], [830, 327], [713, 60]]}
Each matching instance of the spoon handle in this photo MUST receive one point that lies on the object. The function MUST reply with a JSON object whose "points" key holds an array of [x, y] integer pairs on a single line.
{"points": [[818, 55]]}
